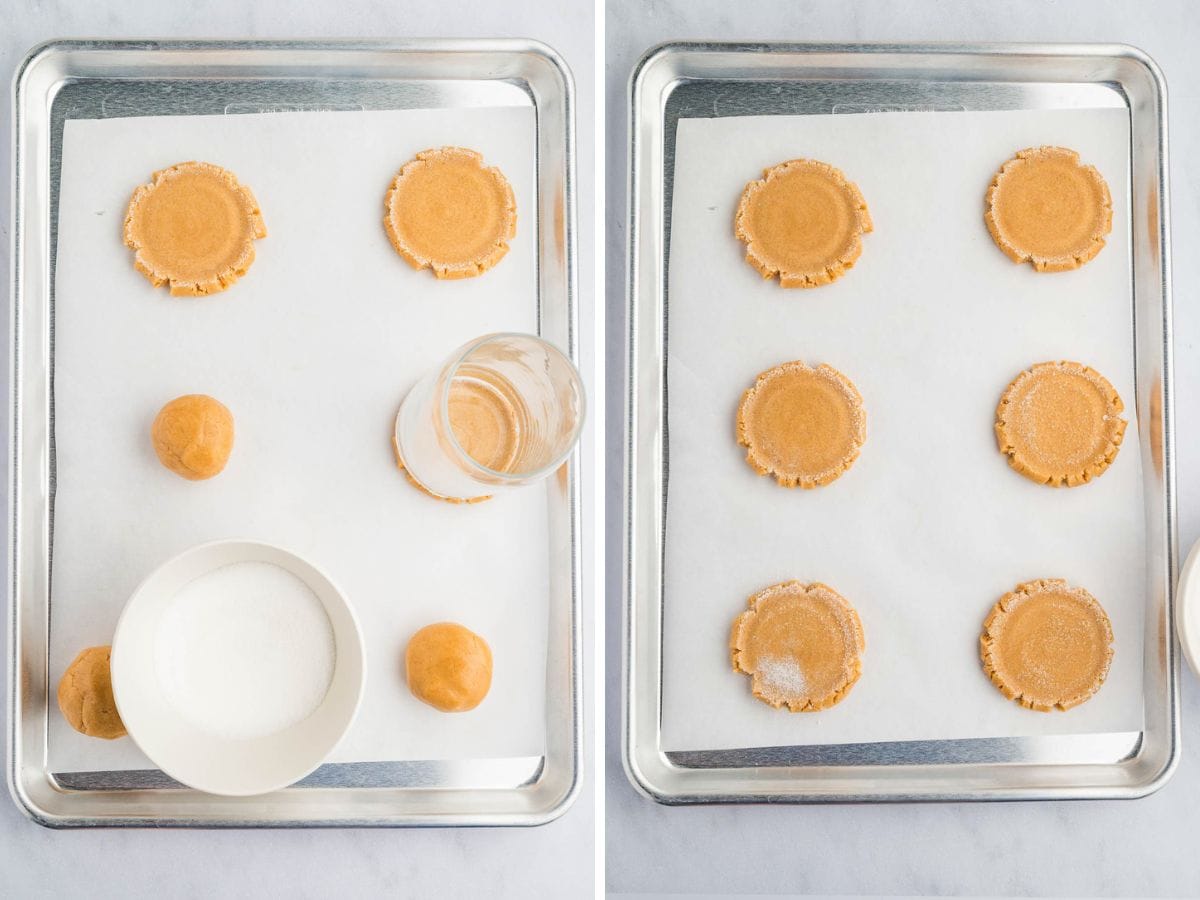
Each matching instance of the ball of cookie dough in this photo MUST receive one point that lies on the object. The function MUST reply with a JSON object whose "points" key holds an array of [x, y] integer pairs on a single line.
{"points": [[448, 666], [193, 436], [85, 695]]}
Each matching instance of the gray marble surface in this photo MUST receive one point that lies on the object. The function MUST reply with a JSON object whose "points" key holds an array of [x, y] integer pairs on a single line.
{"points": [[556, 860], [1140, 848]]}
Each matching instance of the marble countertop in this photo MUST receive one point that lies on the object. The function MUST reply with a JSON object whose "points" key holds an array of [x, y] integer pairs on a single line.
{"points": [[554, 860], [1141, 847]]}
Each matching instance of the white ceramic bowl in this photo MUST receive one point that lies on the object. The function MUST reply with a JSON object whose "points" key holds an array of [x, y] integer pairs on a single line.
{"points": [[1187, 608], [200, 758]]}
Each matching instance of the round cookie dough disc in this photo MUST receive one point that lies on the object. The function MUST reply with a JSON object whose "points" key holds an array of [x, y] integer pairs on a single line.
{"points": [[804, 425], [1045, 208], [85, 695], [193, 227], [801, 644], [1059, 423], [446, 211], [802, 221], [1047, 645]]}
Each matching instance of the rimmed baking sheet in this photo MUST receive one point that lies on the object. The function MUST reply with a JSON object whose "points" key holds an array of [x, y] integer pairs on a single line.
{"points": [[704, 531], [314, 349]]}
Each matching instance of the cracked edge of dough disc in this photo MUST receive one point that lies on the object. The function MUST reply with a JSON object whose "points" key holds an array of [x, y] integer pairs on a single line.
{"points": [[1008, 437], [452, 270], [420, 487], [835, 267], [993, 627], [847, 617], [858, 421], [220, 279], [1041, 262]]}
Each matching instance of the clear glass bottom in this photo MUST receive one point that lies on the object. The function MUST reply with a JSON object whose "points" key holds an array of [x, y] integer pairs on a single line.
{"points": [[503, 410]]}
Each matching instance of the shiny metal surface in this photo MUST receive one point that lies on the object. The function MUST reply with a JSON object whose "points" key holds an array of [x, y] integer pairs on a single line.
{"points": [[682, 80], [93, 79]]}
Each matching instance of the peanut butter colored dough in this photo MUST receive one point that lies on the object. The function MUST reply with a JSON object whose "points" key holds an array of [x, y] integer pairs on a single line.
{"points": [[448, 666], [484, 422], [803, 425], [193, 227], [1045, 208], [422, 488], [802, 221], [85, 695], [193, 436], [801, 645], [447, 212], [1059, 424], [1047, 645]]}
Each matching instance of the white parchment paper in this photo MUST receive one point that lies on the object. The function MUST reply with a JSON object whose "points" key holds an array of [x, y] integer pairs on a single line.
{"points": [[930, 526], [312, 351]]}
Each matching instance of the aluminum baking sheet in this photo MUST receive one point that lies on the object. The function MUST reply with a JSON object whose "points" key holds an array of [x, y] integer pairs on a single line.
{"points": [[376, 95], [1126, 746]]}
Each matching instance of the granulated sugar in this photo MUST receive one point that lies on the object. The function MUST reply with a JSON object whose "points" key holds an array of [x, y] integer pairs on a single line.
{"points": [[245, 651], [781, 676]]}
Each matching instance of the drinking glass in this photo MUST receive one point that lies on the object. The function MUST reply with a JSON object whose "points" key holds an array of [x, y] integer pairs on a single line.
{"points": [[503, 410]]}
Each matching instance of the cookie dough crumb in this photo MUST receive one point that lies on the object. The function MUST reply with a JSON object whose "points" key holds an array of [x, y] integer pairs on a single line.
{"points": [[803, 221], [85, 695]]}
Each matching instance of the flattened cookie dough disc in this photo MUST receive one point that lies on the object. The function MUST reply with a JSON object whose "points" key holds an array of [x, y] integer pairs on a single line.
{"points": [[802, 221], [804, 425], [193, 227], [1046, 208], [484, 421], [801, 645], [1059, 423], [448, 212], [1047, 645]]}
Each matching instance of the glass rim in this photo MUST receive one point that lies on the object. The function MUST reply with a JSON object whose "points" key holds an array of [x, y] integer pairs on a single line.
{"points": [[462, 456]]}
